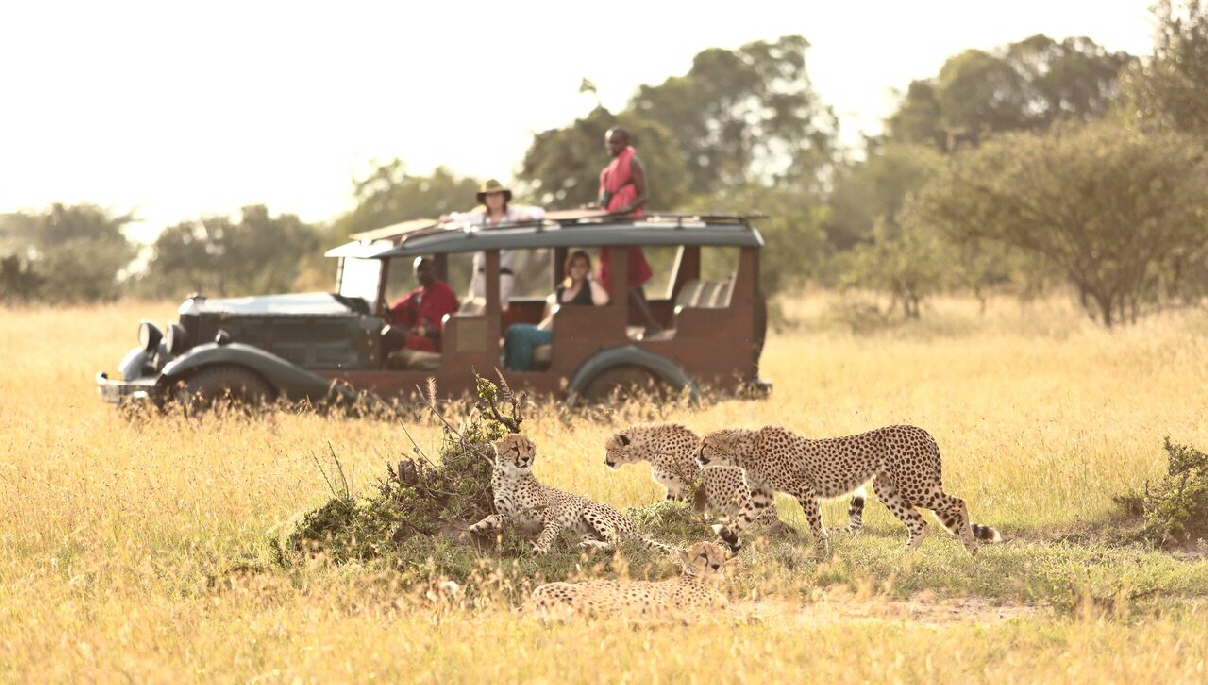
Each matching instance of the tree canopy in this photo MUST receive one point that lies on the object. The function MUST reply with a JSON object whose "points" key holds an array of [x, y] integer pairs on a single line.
{"points": [[1108, 206], [68, 253], [215, 255], [1023, 86], [562, 166], [742, 115], [1172, 88]]}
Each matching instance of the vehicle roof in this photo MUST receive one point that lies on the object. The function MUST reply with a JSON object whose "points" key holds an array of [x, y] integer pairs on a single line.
{"points": [[582, 231]]}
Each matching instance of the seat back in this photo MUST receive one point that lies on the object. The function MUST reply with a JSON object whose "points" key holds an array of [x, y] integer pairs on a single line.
{"points": [[721, 298], [475, 306], [688, 295]]}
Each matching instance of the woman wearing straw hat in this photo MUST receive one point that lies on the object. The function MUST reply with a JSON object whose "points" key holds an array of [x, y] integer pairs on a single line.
{"points": [[494, 212]]}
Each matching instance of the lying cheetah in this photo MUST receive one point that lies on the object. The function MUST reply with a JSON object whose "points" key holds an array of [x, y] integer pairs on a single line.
{"points": [[692, 590], [519, 497], [671, 450], [903, 463]]}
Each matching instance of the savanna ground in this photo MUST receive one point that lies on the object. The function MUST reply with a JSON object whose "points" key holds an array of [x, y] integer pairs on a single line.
{"points": [[117, 536]]}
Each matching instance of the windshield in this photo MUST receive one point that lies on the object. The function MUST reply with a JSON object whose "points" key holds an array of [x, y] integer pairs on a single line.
{"points": [[359, 278]]}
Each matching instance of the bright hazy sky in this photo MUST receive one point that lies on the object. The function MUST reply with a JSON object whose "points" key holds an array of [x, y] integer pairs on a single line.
{"points": [[176, 110]]}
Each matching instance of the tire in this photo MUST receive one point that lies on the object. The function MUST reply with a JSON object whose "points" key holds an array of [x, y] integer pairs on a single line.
{"points": [[217, 384], [621, 383]]}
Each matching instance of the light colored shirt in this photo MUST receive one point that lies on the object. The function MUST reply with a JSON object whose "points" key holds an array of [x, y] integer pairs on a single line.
{"points": [[478, 219]]}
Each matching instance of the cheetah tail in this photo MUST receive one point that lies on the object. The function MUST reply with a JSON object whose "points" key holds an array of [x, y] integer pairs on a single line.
{"points": [[986, 533]]}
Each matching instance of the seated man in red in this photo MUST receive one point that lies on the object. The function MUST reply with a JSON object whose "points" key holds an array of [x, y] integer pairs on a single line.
{"points": [[415, 320]]}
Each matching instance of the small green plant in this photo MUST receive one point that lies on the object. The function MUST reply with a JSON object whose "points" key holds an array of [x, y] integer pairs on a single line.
{"points": [[1176, 508]]}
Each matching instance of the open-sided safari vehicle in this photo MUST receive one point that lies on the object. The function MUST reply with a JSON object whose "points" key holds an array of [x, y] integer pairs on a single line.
{"points": [[315, 346]]}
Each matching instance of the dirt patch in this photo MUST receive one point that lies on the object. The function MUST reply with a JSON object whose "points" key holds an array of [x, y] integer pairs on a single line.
{"points": [[923, 609]]}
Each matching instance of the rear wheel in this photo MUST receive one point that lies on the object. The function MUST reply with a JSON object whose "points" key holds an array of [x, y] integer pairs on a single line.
{"points": [[620, 383], [223, 384]]}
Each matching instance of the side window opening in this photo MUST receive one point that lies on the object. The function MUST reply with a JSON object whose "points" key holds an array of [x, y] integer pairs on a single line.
{"points": [[718, 269]]}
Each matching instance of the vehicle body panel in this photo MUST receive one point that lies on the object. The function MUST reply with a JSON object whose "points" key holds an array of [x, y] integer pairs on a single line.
{"points": [[307, 343]]}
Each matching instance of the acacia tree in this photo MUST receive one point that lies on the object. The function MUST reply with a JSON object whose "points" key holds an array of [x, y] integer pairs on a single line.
{"points": [[1109, 207]]}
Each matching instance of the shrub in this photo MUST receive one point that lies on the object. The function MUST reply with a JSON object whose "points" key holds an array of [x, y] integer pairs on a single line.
{"points": [[1176, 508]]}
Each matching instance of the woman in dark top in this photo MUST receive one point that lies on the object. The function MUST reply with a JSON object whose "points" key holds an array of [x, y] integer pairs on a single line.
{"points": [[578, 288]]}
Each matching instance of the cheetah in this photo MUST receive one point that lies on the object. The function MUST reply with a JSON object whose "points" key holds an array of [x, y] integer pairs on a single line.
{"points": [[903, 463], [671, 450], [520, 498], [693, 590]]}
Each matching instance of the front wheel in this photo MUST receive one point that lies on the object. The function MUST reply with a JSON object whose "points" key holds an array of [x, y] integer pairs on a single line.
{"points": [[216, 384]]}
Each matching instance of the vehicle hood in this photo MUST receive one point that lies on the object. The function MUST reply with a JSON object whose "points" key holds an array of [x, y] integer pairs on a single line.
{"points": [[294, 304]]}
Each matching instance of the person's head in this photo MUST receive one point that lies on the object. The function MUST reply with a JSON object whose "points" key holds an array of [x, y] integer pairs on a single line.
{"points": [[616, 140], [495, 196], [578, 267], [425, 271]]}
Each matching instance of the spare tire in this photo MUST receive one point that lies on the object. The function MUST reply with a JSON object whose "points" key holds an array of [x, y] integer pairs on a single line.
{"points": [[215, 384]]}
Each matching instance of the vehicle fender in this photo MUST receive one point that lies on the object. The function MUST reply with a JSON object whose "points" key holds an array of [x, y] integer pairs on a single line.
{"points": [[132, 365], [666, 370], [290, 380]]}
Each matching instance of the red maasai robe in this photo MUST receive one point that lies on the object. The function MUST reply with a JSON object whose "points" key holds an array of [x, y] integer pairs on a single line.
{"points": [[617, 180]]}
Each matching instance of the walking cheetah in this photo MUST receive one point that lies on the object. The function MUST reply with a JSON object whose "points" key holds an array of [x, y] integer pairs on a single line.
{"points": [[671, 450], [692, 590], [519, 497], [903, 463]]}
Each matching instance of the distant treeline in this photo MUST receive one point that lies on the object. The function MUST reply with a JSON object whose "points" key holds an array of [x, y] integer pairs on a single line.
{"points": [[1036, 165]]}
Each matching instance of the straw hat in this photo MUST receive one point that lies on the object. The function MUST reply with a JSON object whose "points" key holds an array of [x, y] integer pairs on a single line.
{"points": [[493, 186]]}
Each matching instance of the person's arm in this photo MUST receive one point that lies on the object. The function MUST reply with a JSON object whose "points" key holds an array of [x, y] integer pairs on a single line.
{"points": [[600, 203], [402, 311], [599, 295], [445, 303], [639, 184], [547, 322]]}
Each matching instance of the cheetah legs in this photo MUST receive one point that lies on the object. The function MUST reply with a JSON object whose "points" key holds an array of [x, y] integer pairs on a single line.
{"points": [[954, 514], [888, 493], [549, 532], [761, 499], [492, 522], [808, 499], [605, 530]]}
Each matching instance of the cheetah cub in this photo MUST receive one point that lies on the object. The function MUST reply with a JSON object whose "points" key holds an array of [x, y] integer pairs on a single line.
{"points": [[903, 463], [671, 450], [694, 589], [520, 498]]}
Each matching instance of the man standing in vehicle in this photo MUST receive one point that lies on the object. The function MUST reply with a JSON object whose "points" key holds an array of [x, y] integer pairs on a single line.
{"points": [[623, 192], [415, 320]]}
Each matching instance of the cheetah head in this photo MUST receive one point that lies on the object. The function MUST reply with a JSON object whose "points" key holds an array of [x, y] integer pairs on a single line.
{"points": [[514, 453], [704, 559], [621, 449], [722, 448]]}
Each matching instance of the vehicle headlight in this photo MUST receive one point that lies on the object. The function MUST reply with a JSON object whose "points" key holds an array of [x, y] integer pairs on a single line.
{"points": [[149, 336], [177, 339]]}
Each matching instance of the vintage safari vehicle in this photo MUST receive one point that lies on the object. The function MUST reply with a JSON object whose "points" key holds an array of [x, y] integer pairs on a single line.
{"points": [[317, 346]]}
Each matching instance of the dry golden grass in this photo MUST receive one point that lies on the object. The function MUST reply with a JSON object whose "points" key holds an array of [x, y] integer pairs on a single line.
{"points": [[113, 531]]}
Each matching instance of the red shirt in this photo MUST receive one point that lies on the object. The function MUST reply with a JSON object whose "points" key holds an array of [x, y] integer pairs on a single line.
{"points": [[617, 180], [430, 303]]}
